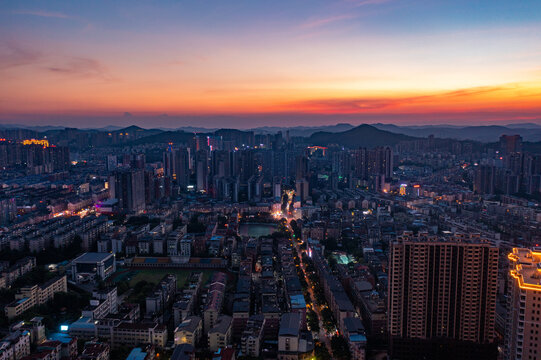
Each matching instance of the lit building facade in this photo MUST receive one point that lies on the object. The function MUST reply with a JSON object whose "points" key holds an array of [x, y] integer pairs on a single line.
{"points": [[522, 332]]}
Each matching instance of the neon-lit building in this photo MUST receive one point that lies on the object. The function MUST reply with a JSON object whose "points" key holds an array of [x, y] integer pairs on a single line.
{"points": [[522, 338], [44, 143]]}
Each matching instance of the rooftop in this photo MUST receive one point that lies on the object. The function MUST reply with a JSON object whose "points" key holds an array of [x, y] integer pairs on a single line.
{"points": [[93, 257], [189, 324], [223, 323], [137, 354], [290, 324], [526, 267]]}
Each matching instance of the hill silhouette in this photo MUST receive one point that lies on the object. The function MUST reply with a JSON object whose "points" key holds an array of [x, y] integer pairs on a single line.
{"points": [[360, 136]]}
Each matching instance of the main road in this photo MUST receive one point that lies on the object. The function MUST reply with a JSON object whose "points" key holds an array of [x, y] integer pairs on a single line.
{"points": [[323, 336]]}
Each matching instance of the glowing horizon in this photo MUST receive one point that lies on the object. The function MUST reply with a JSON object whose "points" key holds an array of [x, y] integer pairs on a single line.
{"points": [[352, 59]]}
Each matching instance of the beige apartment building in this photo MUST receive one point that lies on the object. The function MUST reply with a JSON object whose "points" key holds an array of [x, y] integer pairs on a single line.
{"points": [[523, 327], [189, 331], [30, 296], [442, 287], [135, 334], [220, 335]]}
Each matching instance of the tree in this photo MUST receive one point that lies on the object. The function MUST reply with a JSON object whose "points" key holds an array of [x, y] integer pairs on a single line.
{"points": [[340, 348], [194, 226], [321, 352], [313, 321], [138, 220], [330, 244], [328, 319], [176, 223], [122, 287], [332, 262]]}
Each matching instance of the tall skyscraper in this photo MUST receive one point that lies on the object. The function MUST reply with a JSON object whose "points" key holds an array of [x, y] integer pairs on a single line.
{"points": [[510, 144], [176, 163], [202, 170], [243, 165], [373, 162], [484, 179], [301, 167], [523, 327], [112, 162], [384, 162], [221, 163], [128, 187], [442, 290]]}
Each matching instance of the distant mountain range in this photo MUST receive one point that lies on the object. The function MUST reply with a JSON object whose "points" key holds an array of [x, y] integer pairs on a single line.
{"points": [[303, 131], [530, 132], [486, 133]]}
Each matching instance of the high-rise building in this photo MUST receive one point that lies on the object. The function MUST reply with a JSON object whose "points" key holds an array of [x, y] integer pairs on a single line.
{"points": [[128, 187], [302, 189], [384, 162], [523, 326], [510, 144], [221, 163], [442, 290], [243, 164], [176, 164], [301, 167], [8, 210], [112, 162], [373, 162], [484, 179], [202, 170]]}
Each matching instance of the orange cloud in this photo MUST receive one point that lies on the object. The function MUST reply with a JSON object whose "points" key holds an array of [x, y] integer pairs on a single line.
{"points": [[510, 96]]}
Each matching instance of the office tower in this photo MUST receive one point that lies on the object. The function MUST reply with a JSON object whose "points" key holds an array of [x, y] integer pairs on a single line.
{"points": [[202, 170], [128, 187], [442, 291], [483, 182], [523, 327], [510, 144]]}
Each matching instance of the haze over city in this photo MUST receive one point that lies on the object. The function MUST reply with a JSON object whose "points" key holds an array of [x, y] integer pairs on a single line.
{"points": [[244, 64]]}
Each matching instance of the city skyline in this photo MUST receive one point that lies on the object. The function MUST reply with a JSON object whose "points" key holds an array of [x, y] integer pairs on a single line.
{"points": [[245, 65], [291, 180]]}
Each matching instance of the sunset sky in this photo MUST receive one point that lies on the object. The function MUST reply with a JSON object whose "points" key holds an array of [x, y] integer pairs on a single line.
{"points": [[280, 63]]}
